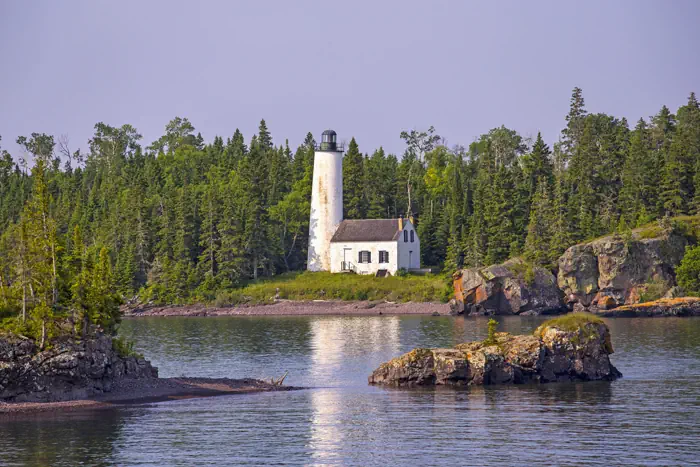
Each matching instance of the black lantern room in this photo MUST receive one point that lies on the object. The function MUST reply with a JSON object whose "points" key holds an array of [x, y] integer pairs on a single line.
{"points": [[328, 141]]}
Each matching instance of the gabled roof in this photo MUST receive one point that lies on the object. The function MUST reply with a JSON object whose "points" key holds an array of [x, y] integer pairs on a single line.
{"points": [[367, 230]]}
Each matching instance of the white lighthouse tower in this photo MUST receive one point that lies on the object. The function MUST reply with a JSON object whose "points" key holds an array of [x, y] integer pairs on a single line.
{"points": [[326, 201]]}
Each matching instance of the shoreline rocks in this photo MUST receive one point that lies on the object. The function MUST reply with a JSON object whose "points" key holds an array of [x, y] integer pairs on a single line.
{"points": [[610, 272], [68, 370], [684, 306], [571, 348], [596, 276], [511, 288]]}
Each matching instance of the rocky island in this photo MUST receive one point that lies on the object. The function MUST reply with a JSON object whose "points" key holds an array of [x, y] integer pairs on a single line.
{"points": [[574, 347], [96, 372]]}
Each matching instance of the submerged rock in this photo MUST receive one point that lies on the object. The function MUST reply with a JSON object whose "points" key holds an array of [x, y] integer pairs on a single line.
{"points": [[68, 370], [513, 287], [571, 348]]}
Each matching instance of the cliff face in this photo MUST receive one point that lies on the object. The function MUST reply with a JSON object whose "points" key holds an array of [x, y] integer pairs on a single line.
{"points": [[553, 353], [69, 370], [599, 275], [505, 289], [610, 272]]}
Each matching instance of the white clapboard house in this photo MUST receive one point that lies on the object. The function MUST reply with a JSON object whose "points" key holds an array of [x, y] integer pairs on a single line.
{"points": [[373, 245]]}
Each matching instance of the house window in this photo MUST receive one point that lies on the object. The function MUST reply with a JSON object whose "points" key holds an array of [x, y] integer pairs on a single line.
{"points": [[405, 236], [383, 256], [365, 257], [413, 237]]}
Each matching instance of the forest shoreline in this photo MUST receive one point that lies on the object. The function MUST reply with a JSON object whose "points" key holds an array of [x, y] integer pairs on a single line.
{"points": [[146, 391], [294, 308]]}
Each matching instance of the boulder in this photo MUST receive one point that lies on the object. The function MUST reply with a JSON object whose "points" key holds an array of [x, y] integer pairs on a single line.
{"points": [[572, 348], [611, 271], [68, 370], [511, 288]]}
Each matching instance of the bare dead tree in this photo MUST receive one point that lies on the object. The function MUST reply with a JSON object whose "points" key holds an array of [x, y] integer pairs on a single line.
{"points": [[64, 149]]}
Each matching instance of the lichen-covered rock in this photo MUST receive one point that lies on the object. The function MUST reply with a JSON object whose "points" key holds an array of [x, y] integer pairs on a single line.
{"points": [[610, 272], [577, 354], [505, 289], [679, 306], [571, 348], [68, 370]]}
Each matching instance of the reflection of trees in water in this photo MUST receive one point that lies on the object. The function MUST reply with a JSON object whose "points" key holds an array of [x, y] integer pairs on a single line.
{"points": [[60, 439], [180, 335]]}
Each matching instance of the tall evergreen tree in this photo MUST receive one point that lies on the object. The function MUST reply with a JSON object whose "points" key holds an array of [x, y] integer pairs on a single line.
{"points": [[354, 202]]}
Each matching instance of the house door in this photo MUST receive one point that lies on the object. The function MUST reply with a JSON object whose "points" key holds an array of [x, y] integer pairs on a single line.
{"points": [[347, 255], [410, 259]]}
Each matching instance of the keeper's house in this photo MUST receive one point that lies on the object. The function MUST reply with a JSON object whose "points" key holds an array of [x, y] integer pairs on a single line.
{"points": [[375, 246]]}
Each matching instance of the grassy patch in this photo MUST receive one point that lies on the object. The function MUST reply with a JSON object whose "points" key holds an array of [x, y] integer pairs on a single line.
{"points": [[569, 322], [327, 286], [688, 226], [651, 231]]}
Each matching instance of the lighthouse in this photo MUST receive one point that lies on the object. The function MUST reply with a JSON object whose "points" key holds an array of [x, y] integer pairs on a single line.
{"points": [[326, 201]]}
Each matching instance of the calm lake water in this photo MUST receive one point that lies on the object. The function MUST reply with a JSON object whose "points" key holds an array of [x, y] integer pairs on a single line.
{"points": [[650, 417]]}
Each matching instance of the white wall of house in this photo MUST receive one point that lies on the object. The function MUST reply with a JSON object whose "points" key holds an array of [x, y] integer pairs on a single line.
{"points": [[349, 252], [408, 252]]}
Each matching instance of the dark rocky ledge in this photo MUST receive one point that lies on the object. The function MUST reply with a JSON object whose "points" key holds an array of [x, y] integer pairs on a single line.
{"points": [[91, 373], [684, 306], [574, 347]]}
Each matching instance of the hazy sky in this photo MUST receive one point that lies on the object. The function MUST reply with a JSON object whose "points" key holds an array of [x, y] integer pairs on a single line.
{"points": [[368, 69]]}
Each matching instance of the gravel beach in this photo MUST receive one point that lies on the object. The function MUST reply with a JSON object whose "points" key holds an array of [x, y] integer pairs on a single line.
{"points": [[301, 308]]}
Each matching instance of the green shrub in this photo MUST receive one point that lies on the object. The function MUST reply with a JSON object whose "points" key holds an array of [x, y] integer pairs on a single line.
{"points": [[125, 348], [654, 290], [688, 273], [491, 336]]}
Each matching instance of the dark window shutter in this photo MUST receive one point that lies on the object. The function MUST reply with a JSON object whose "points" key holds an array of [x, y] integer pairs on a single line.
{"points": [[369, 256]]}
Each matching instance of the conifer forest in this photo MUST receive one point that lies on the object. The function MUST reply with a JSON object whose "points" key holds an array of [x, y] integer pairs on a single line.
{"points": [[177, 220]]}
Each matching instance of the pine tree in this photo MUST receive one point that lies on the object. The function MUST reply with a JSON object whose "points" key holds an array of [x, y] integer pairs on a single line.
{"points": [[103, 299], [538, 165], [353, 183], [539, 231], [637, 194], [676, 180], [42, 253], [573, 133]]}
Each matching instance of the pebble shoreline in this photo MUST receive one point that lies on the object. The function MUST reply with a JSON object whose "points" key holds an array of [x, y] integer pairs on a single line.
{"points": [[296, 308]]}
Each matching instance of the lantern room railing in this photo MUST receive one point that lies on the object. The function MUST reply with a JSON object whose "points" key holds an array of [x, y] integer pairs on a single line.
{"points": [[330, 146]]}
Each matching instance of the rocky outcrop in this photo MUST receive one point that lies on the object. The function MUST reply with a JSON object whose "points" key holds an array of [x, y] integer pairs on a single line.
{"points": [[610, 272], [69, 370], [687, 306], [570, 348], [511, 288]]}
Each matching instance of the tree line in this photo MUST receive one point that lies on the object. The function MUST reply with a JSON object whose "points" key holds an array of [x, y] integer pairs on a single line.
{"points": [[180, 220]]}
